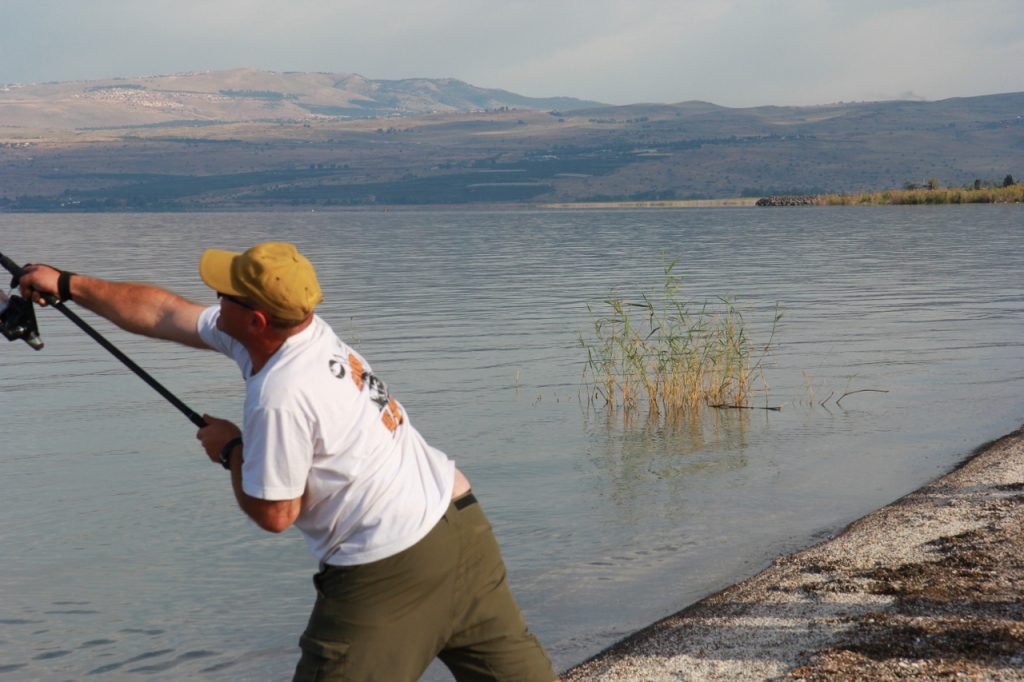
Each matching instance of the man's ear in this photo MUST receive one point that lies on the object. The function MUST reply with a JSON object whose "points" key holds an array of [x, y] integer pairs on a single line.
{"points": [[258, 322]]}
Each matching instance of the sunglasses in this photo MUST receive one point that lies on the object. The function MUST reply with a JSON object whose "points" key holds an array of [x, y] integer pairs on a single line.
{"points": [[236, 301]]}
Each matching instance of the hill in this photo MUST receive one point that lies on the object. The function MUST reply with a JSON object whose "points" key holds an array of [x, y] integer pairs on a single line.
{"points": [[447, 142], [247, 94]]}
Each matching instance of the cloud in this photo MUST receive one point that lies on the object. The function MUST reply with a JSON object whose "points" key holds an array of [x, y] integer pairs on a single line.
{"points": [[736, 53]]}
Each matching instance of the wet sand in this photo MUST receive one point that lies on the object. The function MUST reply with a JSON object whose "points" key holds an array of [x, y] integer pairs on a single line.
{"points": [[929, 587]]}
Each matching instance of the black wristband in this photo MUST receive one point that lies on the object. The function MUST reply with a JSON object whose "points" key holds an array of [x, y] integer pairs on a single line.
{"points": [[225, 452], [64, 285]]}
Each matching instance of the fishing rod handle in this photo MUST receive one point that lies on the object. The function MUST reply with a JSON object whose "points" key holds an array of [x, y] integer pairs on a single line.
{"points": [[18, 273]]}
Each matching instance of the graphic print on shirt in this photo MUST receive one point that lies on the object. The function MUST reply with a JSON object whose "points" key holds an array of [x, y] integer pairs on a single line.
{"points": [[390, 410]]}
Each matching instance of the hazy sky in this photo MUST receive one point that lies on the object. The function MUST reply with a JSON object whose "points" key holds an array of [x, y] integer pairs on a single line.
{"points": [[733, 53]]}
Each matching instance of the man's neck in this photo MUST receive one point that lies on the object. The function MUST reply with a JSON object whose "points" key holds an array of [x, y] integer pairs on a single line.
{"points": [[263, 347], [261, 355]]}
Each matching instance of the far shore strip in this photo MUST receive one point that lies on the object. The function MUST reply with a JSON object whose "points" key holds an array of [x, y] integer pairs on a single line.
{"points": [[929, 587], [673, 203]]}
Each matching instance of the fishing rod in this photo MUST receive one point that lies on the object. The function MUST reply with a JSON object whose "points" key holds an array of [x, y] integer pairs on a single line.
{"points": [[18, 321]]}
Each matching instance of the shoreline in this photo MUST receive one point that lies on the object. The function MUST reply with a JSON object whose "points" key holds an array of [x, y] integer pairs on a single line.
{"points": [[673, 203], [930, 586], [735, 202]]}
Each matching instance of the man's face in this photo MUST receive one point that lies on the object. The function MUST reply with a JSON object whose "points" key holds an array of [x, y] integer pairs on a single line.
{"points": [[235, 315]]}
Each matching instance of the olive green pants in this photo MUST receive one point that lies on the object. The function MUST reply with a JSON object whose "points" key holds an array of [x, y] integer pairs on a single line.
{"points": [[446, 597]]}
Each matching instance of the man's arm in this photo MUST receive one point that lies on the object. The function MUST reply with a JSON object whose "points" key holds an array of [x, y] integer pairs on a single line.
{"points": [[275, 516], [272, 515], [138, 308]]}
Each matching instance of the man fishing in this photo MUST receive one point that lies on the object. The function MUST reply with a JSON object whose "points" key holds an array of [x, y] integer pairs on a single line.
{"points": [[409, 566]]}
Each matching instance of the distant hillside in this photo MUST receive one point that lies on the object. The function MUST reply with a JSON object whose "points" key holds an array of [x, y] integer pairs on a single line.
{"points": [[246, 95], [478, 146]]}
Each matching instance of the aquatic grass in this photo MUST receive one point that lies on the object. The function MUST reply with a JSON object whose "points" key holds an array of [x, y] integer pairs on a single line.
{"points": [[663, 351]]}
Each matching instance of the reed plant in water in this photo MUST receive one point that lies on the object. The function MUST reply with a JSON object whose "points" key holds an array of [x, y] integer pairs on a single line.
{"points": [[670, 354]]}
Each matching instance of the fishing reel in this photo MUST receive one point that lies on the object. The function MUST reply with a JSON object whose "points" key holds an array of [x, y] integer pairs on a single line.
{"points": [[18, 320]]}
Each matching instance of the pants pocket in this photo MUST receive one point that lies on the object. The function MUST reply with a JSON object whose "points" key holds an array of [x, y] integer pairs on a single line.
{"points": [[328, 579], [321, 660]]}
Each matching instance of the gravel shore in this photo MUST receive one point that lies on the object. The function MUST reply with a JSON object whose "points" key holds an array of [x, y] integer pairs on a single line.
{"points": [[929, 587]]}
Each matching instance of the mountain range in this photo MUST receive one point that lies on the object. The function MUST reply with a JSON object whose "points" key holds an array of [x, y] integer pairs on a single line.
{"points": [[252, 139], [250, 95]]}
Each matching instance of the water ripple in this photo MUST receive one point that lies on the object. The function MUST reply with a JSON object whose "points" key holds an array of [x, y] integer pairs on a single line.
{"points": [[606, 522]]}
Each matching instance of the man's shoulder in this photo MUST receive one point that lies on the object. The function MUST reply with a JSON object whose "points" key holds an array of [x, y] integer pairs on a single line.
{"points": [[306, 364], [206, 328], [324, 342]]}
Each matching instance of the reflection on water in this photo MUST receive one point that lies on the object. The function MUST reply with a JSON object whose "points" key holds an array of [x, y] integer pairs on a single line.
{"points": [[122, 553], [648, 461]]}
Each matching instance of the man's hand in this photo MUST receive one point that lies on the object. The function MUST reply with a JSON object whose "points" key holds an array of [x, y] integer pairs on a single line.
{"points": [[272, 515], [39, 280], [215, 435]]}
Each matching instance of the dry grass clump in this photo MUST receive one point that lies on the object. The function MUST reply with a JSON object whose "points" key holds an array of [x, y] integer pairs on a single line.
{"points": [[671, 354], [951, 195]]}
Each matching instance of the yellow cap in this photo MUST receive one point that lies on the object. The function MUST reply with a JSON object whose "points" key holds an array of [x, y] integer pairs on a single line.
{"points": [[274, 275]]}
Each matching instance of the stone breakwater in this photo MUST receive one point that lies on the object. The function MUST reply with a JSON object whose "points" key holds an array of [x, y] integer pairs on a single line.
{"points": [[804, 200], [930, 587]]}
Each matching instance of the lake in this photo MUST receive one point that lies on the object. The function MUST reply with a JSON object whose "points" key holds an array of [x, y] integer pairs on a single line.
{"points": [[122, 552]]}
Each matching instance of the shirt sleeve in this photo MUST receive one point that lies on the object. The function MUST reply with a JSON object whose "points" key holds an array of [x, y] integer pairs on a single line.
{"points": [[277, 452], [221, 342]]}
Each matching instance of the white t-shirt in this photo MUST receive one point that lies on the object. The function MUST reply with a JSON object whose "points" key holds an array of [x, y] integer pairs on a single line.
{"points": [[318, 424]]}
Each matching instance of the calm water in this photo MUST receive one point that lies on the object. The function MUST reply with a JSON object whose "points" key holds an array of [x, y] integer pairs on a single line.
{"points": [[122, 554]]}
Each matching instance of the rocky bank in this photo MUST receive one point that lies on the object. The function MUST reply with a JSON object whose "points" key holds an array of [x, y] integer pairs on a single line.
{"points": [[929, 587]]}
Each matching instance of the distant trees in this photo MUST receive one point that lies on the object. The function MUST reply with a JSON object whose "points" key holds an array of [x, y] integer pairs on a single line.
{"points": [[977, 185]]}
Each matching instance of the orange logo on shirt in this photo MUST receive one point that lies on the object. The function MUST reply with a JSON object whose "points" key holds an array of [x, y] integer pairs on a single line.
{"points": [[357, 370], [392, 415]]}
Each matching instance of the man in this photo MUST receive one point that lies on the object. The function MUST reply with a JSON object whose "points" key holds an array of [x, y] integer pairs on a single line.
{"points": [[409, 567]]}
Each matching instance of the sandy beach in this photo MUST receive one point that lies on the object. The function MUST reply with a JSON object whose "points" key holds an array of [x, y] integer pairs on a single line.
{"points": [[929, 587]]}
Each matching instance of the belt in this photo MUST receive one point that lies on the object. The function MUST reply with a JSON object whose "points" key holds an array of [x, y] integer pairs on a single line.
{"points": [[465, 501]]}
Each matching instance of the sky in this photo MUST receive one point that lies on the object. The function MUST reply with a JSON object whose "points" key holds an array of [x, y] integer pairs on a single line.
{"points": [[732, 53]]}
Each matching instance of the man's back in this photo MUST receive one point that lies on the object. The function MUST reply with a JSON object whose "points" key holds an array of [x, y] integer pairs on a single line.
{"points": [[320, 425]]}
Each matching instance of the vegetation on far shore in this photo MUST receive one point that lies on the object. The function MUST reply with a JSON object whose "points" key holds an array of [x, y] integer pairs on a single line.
{"points": [[1011, 192]]}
